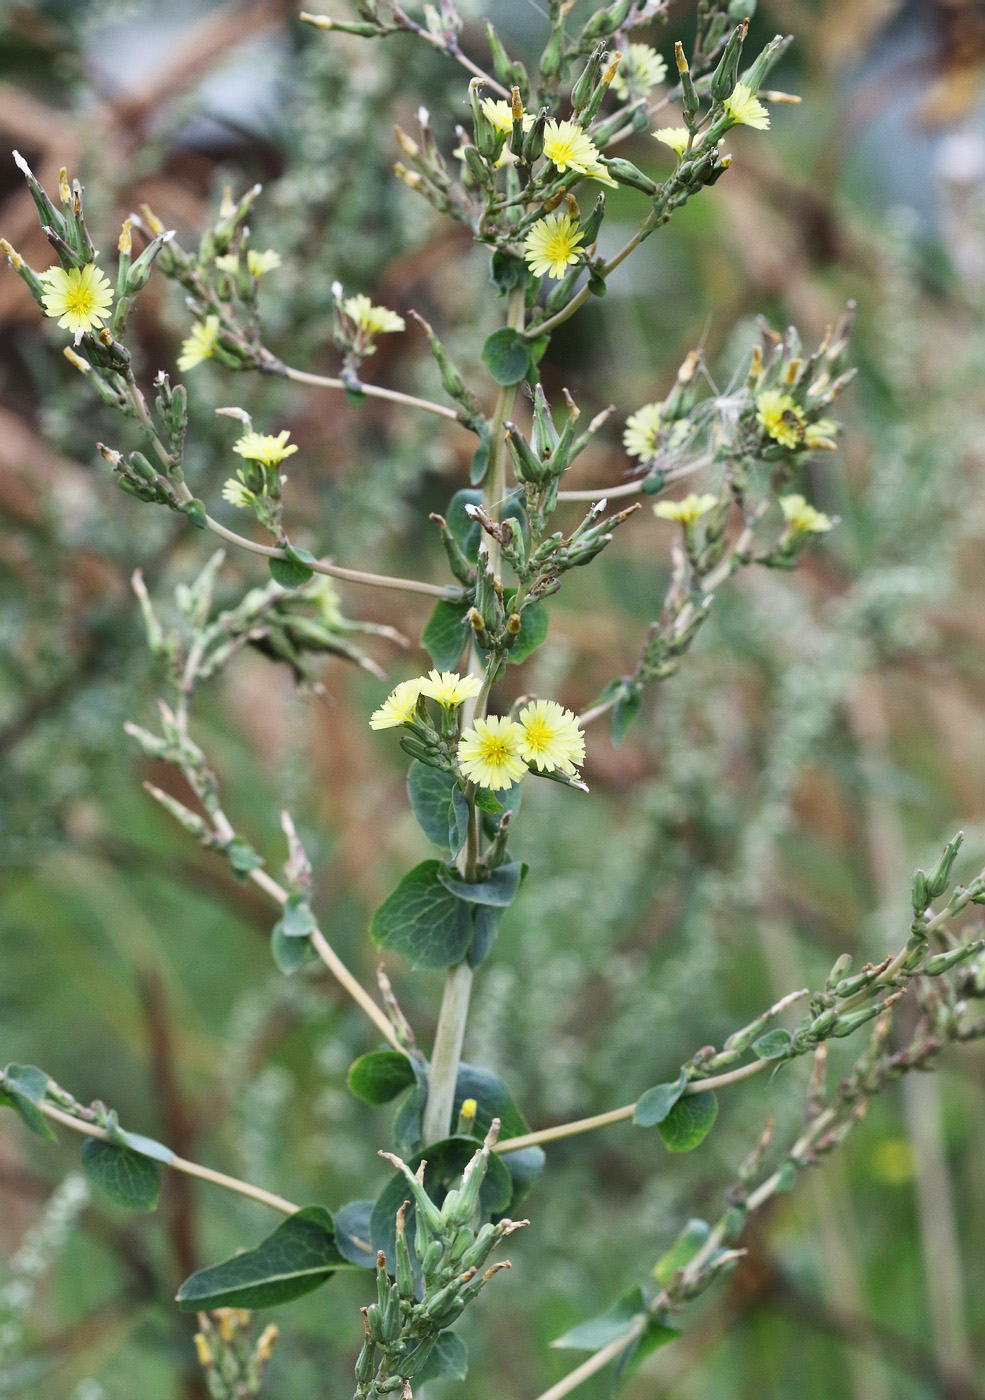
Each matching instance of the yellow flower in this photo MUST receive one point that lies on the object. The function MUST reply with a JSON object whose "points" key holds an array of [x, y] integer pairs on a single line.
{"points": [[552, 737], [676, 137], [640, 70], [200, 345], [398, 708], [261, 447], [802, 518], [780, 416], [372, 319], [489, 754], [551, 245], [744, 108], [81, 297], [499, 114], [570, 148], [236, 492], [687, 510], [449, 688], [257, 263], [640, 437]]}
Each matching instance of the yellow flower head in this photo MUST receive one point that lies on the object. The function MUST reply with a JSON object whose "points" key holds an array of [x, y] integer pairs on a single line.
{"points": [[398, 708], [374, 320], [551, 245], [640, 437], [449, 688], [744, 108], [80, 297], [489, 754], [552, 737], [781, 418], [687, 510], [200, 345], [676, 137], [261, 447], [640, 70], [237, 493], [257, 263], [499, 114], [570, 148], [802, 518]]}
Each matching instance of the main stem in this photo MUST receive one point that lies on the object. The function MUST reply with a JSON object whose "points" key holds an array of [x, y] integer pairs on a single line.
{"points": [[450, 1032]]}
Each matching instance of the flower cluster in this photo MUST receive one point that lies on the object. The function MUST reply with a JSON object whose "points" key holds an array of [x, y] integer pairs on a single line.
{"points": [[256, 263], [687, 510], [495, 752]]}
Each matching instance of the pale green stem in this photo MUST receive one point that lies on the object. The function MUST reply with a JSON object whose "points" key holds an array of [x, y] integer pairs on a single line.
{"points": [[229, 1183], [579, 299], [372, 391], [619, 1115], [453, 1015]]}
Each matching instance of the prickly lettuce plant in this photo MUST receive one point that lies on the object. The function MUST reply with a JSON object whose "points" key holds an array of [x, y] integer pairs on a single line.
{"points": [[528, 178]]}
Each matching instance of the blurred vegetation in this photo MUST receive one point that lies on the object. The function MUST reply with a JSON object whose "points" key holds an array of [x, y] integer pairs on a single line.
{"points": [[826, 734]]}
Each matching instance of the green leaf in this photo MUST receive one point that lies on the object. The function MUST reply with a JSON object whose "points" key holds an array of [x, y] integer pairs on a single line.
{"points": [[487, 801], [23, 1089], [448, 1362], [480, 464], [493, 1100], [423, 921], [599, 1331], [242, 857], [196, 513], [499, 888], [297, 1258], [439, 805], [506, 356], [352, 1233], [445, 634], [128, 1178], [487, 919], [653, 1106], [506, 270], [147, 1147], [289, 573], [624, 712], [682, 1251], [467, 531], [654, 1336], [689, 1121], [380, 1076], [297, 920], [773, 1045], [290, 953]]}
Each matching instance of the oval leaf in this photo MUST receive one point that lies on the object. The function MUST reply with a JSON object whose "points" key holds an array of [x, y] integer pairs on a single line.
{"points": [[498, 889], [653, 1106], [449, 1361], [773, 1045], [506, 356], [423, 921], [352, 1233], [128, 1178], [600, 1331], [439, 805], [444, 634], [380, 1076], [290, 953], [297, 1258], [682, 1251], [689, 1121], [289, 573]]}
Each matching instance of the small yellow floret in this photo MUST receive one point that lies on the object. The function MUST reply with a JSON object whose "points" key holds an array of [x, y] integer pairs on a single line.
{"points": [[200, 345], [571, 148], [642, 430], [374, 320], [237, 493], [499, 114], [256, 263], [489, 754], [640, 70], [398, 708], [80, 298], [687, 510], [745, 109], [262, 447], [552, 244], [802, 518], [676, 137], [449, 688], [552, 737]]}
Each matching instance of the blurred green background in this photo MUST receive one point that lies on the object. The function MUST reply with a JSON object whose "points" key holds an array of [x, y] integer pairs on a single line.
{"points": [[826, 734]]}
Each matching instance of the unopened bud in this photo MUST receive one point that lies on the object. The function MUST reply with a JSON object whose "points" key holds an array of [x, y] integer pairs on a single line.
{"points": [[125, 244], [202, 1349], [64, 188]]}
